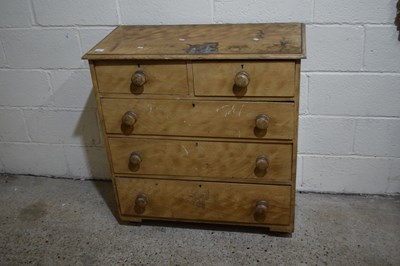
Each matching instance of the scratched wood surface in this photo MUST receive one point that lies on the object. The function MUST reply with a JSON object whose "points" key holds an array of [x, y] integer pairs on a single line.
{"points": [[267, 78], [201, 158], [218, 41], [210, 201], [230, 119], [161, 77]]}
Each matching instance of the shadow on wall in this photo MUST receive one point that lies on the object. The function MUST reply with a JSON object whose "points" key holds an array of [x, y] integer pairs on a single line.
{"points": [[95, 163]]}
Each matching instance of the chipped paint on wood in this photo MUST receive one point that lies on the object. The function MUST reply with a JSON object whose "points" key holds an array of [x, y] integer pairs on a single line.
{"points": [[204, 48]]}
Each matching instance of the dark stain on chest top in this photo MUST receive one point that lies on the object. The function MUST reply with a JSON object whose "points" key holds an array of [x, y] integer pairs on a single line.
{"points": [[204, 48], [33, 211]]}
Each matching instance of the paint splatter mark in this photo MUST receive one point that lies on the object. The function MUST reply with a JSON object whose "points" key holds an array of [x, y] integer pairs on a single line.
{"points": [[241, 109], [283, 43], [99, 50], [186, 151]]}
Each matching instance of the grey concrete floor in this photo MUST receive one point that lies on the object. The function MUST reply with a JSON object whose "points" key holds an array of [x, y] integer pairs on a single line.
{"points": [[46, 221]]}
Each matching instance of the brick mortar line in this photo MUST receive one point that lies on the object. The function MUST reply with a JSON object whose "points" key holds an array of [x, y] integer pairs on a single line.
{"points": [[359, 117], [302, 72], [48, 108], [100, 145], [100, 26], [345, 156]]}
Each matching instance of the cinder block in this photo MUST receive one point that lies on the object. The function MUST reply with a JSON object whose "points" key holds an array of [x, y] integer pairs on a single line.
{"points": [[42, 48], [354, 94], [72, 88], [90, 37], [3, 60], [378, 137], [324, 135], [63, 127], [24, 88], [355, 11], [73, 12], [87, 162], [243, 11], [382, 49], [303, 109], [12, 126], [394, 177], [15, 13], [33, 159], [345, 174], [165, 12], [334, 48]]}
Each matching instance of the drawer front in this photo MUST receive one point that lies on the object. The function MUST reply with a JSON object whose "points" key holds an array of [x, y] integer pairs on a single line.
{"points": [[205, 159], [200, 118], [160, 78], [265, 79], [204, 201]]}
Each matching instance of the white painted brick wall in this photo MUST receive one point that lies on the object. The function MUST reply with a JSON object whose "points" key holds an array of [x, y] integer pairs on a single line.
{"points": [[354, 94], [24, 88], [73, 12], [354, 11], [12, 125], [166, 12], [349, 134], [42, 48]]}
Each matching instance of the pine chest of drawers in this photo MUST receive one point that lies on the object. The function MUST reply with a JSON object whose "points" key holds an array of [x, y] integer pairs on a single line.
{"points": [[200, 121]]}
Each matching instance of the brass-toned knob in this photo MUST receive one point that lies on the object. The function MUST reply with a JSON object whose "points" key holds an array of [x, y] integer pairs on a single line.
{"points": [[138, 78], [140, 203], [135, 158], [262, 122], [242, 79], [129, 119], [261, 210], [262, 163]]}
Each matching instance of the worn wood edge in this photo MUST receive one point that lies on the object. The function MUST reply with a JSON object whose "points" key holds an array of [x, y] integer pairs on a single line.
{"points": [[103, 130], [255, 181], [271, 227], [144, 96], [295, 142], [303, 41], [87, 54], [204, 139], [193, 56]]}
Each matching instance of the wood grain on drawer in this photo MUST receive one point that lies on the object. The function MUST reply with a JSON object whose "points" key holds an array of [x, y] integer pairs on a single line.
{"points": [[204, 201], [204, 159], [226, 119], [161, 77], [266, 79]]}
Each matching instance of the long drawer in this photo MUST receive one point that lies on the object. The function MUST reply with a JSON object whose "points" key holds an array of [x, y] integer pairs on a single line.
{"points": [[205, 159], [228, 119], [204, 201]]}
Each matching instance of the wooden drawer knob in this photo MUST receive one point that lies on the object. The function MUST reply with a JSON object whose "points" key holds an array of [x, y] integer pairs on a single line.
{"points": [[129, 119], [262, 163], [261, 210], [242, 79], [262, 122], [140, 203], [138, 78], [135, 158]]}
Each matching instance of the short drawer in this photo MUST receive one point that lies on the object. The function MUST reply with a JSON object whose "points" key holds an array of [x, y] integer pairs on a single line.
{"points": [[228, 119], [264, 79], [127, 77], [204, 201], [204, 159]]}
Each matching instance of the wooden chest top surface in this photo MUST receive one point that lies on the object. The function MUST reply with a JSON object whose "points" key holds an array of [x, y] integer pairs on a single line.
{"points": [[194, 42]]}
